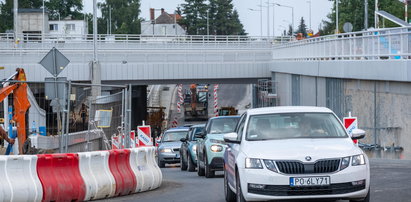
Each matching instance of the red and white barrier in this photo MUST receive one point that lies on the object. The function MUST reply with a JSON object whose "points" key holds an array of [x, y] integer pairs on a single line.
{"points": [[60, 177], [78, 177], [96, 173], [19, 181], [216, 99]]}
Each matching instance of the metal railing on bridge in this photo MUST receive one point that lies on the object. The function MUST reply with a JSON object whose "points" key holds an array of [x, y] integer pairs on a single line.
{"points": [[123, 41], [377, 44]]}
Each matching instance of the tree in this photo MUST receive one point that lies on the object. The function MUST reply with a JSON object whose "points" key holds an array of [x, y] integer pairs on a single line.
{"points": [[55, 7], [65, 8], [6, 11], [302, 27], [195, 16], [223, 18], [124, 16], [353, 11], [290, 30]]}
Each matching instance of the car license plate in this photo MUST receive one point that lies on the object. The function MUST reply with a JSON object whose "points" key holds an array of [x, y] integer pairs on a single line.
{"points": [[309, 181]]}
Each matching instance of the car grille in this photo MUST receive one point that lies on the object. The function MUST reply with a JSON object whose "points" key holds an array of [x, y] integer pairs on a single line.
{"points": [[286, 190], [297, 167]]}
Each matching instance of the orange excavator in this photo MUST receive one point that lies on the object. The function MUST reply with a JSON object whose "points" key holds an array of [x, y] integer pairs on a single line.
{"points": [[20, 101]]}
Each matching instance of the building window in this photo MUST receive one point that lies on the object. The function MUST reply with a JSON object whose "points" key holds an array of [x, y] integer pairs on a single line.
{"points": [[54, 27], [70, 27]]}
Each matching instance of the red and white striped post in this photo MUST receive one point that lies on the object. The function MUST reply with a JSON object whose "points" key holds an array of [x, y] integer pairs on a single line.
{"points": [[180, 96], [216, 99]]}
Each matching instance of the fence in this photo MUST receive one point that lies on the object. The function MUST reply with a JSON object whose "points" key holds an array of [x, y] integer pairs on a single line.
{"points": [[266, 93], [77, 119], [379, 44]]}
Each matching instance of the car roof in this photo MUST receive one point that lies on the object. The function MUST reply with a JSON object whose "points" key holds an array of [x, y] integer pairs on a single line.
{"points": [[288, 109], [224, 117], [177, 129], [198, 126]]}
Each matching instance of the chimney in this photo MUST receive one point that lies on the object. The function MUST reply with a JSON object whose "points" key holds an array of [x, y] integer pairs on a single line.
{"points": [[152, 14], [162, 10]]}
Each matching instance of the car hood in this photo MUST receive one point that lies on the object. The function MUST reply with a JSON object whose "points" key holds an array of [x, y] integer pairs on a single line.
{"points": [[170, 145], [215, 136], [298, 149]]}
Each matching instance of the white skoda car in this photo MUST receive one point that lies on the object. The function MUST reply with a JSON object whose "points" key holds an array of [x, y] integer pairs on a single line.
{"points": [[294, 153]]}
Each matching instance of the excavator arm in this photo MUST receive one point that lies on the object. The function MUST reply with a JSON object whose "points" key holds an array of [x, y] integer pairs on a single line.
{"points": [[21, 104]]}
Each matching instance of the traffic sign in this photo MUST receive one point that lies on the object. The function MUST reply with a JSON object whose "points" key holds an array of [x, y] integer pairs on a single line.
{"points": [[54, 62], [350, 123], [144, 136]]}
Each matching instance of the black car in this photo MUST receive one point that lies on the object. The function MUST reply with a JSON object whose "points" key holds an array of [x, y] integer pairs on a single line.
{"points": [[188, 148]]}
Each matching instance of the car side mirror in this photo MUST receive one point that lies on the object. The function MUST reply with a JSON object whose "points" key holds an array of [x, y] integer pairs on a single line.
{"points": [[183, 139], [357, 134], [231, 138], [200, 135]]}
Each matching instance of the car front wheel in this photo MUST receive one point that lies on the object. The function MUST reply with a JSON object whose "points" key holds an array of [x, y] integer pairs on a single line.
{"points": [[229, 194], [239, 194], [161, 164], [191, 167], [208, 172], [366, 199], [183, 164], [200, 170]]}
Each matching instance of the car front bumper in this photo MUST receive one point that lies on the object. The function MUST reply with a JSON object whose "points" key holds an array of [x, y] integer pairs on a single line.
{"points": [[169, 157], [276, 186]]}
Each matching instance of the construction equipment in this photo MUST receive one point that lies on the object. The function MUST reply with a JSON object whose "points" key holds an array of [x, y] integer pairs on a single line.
{"points": [[227, 111], [20, 101], [196, 103], [155, 119]]}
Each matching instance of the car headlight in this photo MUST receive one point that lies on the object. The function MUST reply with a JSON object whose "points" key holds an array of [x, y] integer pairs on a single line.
{"points": [[166, 150], [253, 163], [194, 148], [270, 164], [216, 148], [217, 141], [358, 160], [345, 162]]}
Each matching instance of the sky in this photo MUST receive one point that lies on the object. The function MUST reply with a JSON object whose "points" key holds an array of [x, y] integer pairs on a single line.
{"points": [[251, 19]]}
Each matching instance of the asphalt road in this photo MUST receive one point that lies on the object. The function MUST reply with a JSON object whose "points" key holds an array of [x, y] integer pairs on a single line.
{"points": [[390, 181]]}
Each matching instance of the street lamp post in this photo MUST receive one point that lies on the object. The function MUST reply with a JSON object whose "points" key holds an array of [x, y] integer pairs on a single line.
{"points": [[292, 13], [208, 25], [268, 18], [309, 13], [261, 20]]}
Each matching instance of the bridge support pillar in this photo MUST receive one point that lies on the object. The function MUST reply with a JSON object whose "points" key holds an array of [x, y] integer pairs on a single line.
{"points": [[138, 106], [95, 68]]}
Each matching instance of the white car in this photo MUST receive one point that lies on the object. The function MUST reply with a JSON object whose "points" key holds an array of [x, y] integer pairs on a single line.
{"points": [[294, 153]]}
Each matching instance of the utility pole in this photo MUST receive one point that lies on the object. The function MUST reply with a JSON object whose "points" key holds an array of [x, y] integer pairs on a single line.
{"points": [[208, 25], [337, 30], [268, 18], [95, 65], [406, 10], [376, 21], [365, 14], [16, 7]]}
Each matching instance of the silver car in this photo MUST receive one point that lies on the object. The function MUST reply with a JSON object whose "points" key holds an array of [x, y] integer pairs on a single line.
{"points": [[169, 148]]}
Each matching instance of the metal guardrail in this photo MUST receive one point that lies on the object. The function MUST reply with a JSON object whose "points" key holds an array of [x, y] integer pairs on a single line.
{"points": [[378, 44], [16, 41]]}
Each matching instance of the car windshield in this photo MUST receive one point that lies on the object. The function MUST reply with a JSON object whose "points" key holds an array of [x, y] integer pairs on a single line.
{"points": [[174, 136], [223, 125], [294, 125]]}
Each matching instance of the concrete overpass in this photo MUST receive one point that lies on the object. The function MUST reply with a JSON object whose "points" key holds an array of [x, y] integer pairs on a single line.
{"points": [[367, 73]]}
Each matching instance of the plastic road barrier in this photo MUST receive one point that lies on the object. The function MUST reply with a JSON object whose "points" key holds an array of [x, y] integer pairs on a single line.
{"points": [[158, 176], [119, 163], [96, 174], [135, 168], [60, 177], [18, 179]]}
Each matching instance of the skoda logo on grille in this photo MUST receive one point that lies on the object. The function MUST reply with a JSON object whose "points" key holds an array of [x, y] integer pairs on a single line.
{"points": [[308, 158]]}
